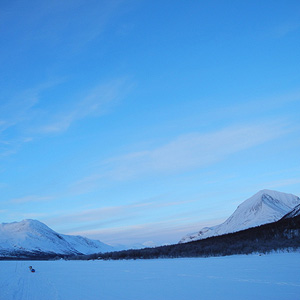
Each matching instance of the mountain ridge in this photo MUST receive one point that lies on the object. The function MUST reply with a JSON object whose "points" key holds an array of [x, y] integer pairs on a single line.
{"points": [[294, 213], [33, 236], [264, 207]]}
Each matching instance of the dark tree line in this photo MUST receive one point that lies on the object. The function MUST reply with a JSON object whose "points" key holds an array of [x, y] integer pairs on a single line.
{"points": [[29, 255]]}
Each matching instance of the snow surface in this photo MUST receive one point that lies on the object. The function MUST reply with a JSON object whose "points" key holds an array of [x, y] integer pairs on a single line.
{"points": [[32, 235], [274, 276], [264, 207]]}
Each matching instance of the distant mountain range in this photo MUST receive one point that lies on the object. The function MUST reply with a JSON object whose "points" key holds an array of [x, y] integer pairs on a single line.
{"points": [[264, 207], [33, 239], [30, 238]]}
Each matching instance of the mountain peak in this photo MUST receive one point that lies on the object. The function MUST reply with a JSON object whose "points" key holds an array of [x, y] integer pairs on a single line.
{"points": [[264, 207], [32, 223], [272, 193], [33, 236], [266, 191], [25, 227]]}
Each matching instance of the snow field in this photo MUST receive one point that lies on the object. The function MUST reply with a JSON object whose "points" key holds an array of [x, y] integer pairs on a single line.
{"points": [[274, 276]]}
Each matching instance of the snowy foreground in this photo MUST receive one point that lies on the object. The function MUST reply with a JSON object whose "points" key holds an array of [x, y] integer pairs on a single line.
{"points": [[275, 276]]}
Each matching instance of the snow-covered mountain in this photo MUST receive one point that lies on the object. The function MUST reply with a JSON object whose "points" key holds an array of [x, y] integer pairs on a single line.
{"points": [[35, 237], [264, 207]]}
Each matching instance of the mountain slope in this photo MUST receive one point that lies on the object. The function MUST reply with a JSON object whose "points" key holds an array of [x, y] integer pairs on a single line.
{"points": [[264, 207], [32, 236], [294, 213]]}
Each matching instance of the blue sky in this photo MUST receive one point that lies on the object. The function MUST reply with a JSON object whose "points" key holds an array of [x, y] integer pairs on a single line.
{"points": [[138, 121]]}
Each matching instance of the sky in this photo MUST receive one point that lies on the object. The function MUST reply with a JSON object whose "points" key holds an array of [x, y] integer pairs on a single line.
{"points": [[141, 121]]}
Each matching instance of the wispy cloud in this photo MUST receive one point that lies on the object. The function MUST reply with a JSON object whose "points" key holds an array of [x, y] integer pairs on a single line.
{"points": [[111, 215], [97, 101], [21, 116], [17, 111], [285, 29], [283, 182], [192, 151], [33, 215], [56, 24], [43, 28], [19, 106], [261, 105], [30, 199], [171, 230]]}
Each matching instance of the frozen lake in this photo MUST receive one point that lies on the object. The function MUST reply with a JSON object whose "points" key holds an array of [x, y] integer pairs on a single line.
{"points": [[275, 276]]}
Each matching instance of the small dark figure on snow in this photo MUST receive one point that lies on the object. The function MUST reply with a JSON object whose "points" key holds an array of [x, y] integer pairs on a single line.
{"points": [[31, 269]]}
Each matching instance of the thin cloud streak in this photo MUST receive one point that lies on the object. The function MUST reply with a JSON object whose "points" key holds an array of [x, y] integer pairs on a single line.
{"points": [[111, 215], [186, 152], [30, 199], [21, 112], [283, 182], [160, 232], [17, 115], [259, 105], [21, 106], [192, 151], [47, 25], [97, 102]]}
